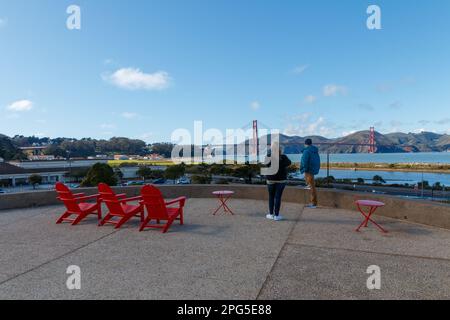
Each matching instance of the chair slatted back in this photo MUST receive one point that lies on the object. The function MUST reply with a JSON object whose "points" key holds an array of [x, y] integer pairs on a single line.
{"points": [[154, 202], [110, 199], [106, 192], [66, 196]]}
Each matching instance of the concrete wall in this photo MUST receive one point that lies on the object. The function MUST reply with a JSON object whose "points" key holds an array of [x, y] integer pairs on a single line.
{"points": [[424, 212]]}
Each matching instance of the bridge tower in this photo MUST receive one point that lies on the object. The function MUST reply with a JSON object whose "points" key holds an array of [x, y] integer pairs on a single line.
{"points": [[372, 140]]}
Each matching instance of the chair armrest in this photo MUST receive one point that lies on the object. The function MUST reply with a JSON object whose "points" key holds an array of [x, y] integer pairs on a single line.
{"points": [[94, 196], [76, 195], [121, 195], [180, 200], [131, 199]]}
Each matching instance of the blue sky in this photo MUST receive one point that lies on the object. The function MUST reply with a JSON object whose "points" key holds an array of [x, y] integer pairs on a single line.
{"points": [[142, 69]]}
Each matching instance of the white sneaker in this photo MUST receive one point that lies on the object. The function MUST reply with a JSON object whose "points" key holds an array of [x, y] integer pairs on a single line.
{"points": [[278, 218], [269, 216], [311, 206]]}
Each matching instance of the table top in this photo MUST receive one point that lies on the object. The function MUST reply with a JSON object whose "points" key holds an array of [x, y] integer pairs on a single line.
{"points": [[223, 193], [370, 203]]}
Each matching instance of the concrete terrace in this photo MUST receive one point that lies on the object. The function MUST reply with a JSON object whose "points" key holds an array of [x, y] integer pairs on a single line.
{"points": [[315, 254]]}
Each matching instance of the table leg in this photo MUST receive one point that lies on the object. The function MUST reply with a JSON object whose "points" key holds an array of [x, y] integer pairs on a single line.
{"points": [[368, 218], [223, 204], [220, 206], [365, 221], [227, 208]]}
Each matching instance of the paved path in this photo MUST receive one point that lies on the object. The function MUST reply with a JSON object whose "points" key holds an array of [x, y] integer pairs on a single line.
{"points": [[314, 254]]}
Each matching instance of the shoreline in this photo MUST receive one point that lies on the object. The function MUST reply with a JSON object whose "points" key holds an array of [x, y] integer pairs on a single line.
{"points": [[344, 166], [442, 171]]}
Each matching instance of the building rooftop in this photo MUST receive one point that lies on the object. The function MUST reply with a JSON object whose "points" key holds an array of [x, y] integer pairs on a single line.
{"points": [[6, 168], [314, 254]]}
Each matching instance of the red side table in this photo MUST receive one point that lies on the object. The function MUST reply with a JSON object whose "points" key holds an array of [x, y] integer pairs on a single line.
{"points": [[372, 206], [223, 196]]}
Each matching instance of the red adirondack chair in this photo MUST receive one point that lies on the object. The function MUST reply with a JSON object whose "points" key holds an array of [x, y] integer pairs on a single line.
{"points": [[157, 209], [76, 205], [118, 207]]}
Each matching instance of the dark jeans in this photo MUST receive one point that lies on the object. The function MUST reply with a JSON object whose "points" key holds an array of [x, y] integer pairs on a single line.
{"points": [[275, 194]]}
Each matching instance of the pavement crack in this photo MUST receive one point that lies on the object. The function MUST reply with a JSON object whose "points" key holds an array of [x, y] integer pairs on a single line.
{"points": [[297, 220]]}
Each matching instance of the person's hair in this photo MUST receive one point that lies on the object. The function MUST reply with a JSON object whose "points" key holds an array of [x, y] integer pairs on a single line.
{"points": [[308, 142]]}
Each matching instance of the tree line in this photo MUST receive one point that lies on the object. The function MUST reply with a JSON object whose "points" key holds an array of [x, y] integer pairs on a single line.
{"points": [[74, 148]]}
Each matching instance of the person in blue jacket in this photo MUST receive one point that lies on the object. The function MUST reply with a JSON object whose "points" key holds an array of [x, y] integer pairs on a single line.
{"points": [[310, 166]]}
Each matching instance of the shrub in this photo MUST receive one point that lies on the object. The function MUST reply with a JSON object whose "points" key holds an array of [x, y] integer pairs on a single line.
{"points": [[175, 172], [378, 180], [201, 179], [144, 172], [35, 180], [99, 173]]}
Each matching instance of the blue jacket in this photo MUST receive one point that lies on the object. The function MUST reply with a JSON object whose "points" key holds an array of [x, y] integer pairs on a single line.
{"points": [[310, 161]]}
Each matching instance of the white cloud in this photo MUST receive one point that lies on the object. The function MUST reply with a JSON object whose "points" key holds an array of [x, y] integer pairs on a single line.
{"points": [[310, 99], [333, 90], [347, 133], [20, 106], [302, 117], [129, 115], [255, 105], [300, 69], [318, 126], [3, 22], [135, 79], [108, 61], [146, 136], [40, 135], [107, 126]]}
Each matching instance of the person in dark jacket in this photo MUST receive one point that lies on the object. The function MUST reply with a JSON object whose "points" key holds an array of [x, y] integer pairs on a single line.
{"points": [[310, 166], [277, 182]]}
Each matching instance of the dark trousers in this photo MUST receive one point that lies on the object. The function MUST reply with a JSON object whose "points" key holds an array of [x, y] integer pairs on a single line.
{"points": [[275, 194]]}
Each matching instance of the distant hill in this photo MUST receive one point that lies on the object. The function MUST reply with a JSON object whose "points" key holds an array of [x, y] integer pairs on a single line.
{"points": [[354, 143], [385, 143]]}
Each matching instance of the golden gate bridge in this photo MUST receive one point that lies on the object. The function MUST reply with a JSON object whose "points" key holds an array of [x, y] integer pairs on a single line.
{"points": [[254, 144]]}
